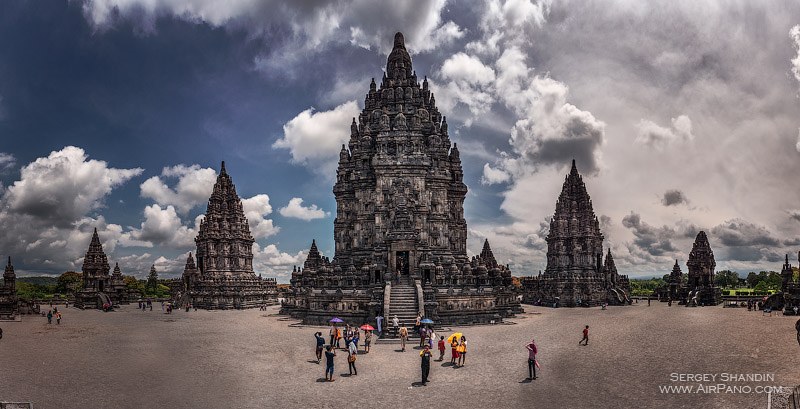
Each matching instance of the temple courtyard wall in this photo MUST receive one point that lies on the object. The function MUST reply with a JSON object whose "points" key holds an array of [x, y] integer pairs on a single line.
{"points": [[256, 359]]}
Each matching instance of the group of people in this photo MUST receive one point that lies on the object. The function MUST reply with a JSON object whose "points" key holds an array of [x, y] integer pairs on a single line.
{"points": [[457, 341], [144, 305], [352, 337], [54, 313]]}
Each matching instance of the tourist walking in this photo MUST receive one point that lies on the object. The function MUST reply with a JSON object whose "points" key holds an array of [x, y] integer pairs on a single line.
{"points": [[367, 341], [50, 316], [532, 364], [379, 320], [395, 322], [333, 334], [330, 353], [585, 339], [403, 337], [58, 318], [356, 337], [441, 349], [462, 351], [320, 345], [425, 354], [338, 337], [423, 335], [454, 349], [416, 323], [352, 351]]}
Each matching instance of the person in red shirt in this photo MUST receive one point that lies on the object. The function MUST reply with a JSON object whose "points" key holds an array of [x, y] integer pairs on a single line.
{"points": [[585, 338], [441, 349], [532, 364]]}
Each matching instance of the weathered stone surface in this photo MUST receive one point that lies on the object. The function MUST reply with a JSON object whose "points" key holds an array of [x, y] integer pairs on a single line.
{"points": [[400, 214], [224, 277], [576, 274]]}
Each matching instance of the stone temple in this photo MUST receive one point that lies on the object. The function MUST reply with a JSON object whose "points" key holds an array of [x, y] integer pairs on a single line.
{"points": [[700, 288], [576, 274], [223, 277], [400, 233], [99, 287], [9, 303]]}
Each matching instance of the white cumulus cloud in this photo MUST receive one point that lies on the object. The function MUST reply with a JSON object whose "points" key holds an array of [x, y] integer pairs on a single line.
{"points": [[194, 186], [655, 136], [64, 186], [255, 209], [315, 138], [296, 210]]}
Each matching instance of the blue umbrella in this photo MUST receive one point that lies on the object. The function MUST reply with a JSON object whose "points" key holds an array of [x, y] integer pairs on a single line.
{"points": [[426, 321], [336, 319]]}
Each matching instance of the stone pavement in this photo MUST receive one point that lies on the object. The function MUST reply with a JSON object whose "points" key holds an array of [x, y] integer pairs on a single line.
{"points": [[255, 359]]}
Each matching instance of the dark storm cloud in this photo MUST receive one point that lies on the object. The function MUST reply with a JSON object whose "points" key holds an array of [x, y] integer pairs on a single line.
{"points": [[656, 241], [738, 232], [674, 198]]}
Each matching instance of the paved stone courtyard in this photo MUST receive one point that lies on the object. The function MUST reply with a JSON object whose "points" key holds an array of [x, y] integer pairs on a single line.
{"points": [[249, 359]]}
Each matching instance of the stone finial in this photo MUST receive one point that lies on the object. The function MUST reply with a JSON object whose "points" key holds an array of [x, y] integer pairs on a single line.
{"points": [[222, 169]]}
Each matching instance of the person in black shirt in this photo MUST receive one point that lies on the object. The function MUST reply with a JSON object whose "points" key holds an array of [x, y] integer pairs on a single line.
{"points": [[329, 354], [320, 345], [426, 363]]}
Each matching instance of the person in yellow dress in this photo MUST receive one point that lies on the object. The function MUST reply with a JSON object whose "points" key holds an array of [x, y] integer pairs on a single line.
{"points": [[462, 351]]}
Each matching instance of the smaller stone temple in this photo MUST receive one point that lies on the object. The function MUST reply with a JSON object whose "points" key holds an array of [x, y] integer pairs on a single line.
{"points": [[9, 303], [672, 290], [117, 290], [790, 287], [96, 278], [576, 274], [789, 297], [700, 287], [223, 277]]}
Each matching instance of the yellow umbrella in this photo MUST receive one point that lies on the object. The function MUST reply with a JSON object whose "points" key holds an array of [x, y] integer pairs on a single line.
{"points": [[456, 335]]}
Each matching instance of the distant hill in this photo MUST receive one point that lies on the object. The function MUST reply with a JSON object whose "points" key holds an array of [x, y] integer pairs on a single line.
{"points": [[42, 280]]}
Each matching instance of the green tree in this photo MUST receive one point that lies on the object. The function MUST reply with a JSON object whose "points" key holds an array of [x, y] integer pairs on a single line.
{"points": [[152, 279], [726, 278], [69, 282], [752, 279]]}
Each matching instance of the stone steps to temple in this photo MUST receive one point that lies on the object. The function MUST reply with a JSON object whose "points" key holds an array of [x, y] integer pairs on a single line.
{"points": [[403, 305]]}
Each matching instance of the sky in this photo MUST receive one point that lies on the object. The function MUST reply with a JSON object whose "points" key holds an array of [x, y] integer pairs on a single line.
{"points": [[681, 115]]}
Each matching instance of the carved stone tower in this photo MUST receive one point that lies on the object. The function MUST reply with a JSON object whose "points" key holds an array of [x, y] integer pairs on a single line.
{"points": [[9, 302], [95, 266], [224, 277], [399, 189], [574, 243], [701, 264], [224, 243]]}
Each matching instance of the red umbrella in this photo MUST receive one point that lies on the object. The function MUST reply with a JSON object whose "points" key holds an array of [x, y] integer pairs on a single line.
{"points": [[367, 327]]}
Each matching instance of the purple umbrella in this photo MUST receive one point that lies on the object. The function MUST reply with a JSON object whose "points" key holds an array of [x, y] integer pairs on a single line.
{"points": [[336, 320]]}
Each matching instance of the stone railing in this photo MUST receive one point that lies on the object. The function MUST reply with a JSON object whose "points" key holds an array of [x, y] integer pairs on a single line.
{"points": [[387, 292]]}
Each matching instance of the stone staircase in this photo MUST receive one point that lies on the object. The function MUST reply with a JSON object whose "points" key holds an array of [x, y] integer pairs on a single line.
{"points": [[403, 304]]}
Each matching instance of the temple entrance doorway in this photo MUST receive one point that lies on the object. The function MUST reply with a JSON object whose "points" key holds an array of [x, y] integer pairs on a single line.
{"points": [[401, 262], [100, 286]]}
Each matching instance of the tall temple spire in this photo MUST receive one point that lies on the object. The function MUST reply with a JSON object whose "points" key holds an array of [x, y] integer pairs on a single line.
{"points": [[224, 242], [486, 254], [9, 278], [398, 65]]}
